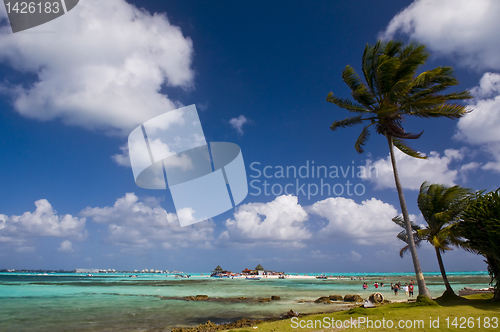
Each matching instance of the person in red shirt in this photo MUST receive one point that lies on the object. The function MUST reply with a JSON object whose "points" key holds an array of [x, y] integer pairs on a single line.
{"points": [[410, 290]]}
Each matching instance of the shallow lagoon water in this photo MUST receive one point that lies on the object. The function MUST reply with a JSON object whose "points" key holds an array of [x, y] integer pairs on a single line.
{"points": [[61, 302]]}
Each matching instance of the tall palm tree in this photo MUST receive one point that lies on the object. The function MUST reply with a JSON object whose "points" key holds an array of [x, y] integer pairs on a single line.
{"points": [[441, 207], [393, 91]]}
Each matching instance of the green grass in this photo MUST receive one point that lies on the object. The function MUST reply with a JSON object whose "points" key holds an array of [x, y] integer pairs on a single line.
{"points": [[452, 307]]}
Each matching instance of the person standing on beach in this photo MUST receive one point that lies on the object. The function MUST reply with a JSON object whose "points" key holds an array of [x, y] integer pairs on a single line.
{"points": [[410, 290]]}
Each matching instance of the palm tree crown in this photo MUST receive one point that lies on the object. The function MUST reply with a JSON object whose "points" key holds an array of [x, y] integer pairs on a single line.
{"points": [[441, 207], [393, 91], [480, 226]]}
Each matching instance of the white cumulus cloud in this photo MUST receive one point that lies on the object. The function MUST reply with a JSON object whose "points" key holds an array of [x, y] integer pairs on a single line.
{"points": [[43, 222], [481, 126], [413, 172], [366, 223], [136, 223], [103, 68], [463, 29], [278, 222]]}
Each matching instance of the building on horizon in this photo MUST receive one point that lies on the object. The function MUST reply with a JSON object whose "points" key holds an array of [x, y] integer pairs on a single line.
{"points": [[219, 272]]}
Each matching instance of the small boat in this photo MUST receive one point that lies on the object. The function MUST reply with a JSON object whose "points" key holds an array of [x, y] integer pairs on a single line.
{"points": [[281, 277], [252, 278], [321, 277], [182, 276], [89, 275]]}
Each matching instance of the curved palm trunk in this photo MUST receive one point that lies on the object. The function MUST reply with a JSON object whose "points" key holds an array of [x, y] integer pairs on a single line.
{"points": [[443, 272], [422, 287]]}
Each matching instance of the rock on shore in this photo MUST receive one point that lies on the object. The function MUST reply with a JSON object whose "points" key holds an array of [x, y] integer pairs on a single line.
{"points": [[324, 299], [353, 298], [212, 327]]}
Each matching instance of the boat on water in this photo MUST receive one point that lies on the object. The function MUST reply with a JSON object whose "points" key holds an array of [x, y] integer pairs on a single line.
{"points": [[182, 276], [321, 277]]}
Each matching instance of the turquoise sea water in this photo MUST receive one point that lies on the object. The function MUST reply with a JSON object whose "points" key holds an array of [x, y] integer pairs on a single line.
{"points": [[115, 302]]}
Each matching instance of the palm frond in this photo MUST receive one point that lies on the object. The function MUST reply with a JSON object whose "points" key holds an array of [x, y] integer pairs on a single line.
{"points": [[411, 104], [348, 122], [351, 78], [368, 64], [459, 95], [393, 47], [450, 111], [412, 57], [398, 220], [346, 104], [385, 72], [403, 147], [394, 129], [438, 75], [362, 138], [404, 250], [360, 92], [403, 236]]}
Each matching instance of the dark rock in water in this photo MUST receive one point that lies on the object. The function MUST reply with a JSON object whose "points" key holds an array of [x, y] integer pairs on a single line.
{"points": [[275, 298], [265, 300], [353, 298], [336, 298], [196, 298], [376, 298], [324, 299], [291, 313]]}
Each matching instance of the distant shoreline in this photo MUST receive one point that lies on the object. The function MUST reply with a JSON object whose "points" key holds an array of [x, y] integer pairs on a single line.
{"points": [[292, 275]]}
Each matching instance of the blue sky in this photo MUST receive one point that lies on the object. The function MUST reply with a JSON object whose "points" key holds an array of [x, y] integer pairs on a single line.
{"points": [[73, 89]]}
